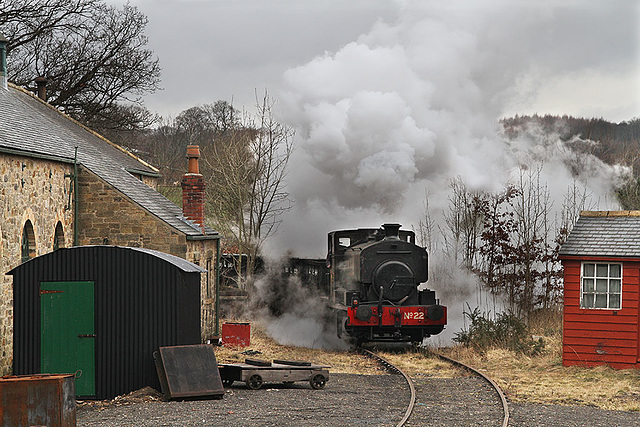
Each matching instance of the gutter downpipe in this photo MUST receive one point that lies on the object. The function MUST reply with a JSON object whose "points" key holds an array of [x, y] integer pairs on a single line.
{"points": [[75, 199], [217, 305]]}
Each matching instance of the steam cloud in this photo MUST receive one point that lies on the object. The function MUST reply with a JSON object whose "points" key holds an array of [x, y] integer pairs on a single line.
{"points": [[406, 108], [291, 313]]}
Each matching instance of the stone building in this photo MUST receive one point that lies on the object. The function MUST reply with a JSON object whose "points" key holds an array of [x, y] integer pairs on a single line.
{"points": [[63, 185]]}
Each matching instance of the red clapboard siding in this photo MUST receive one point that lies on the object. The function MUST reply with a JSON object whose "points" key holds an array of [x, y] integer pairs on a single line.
{"points": [[586, 352], [593, 336], [597, 326], [612, 344], [601, 334], [586, 317]]}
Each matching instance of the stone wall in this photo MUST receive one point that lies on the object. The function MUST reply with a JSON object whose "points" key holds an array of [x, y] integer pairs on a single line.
{"points": [[108, 217], [204, 254], [37, 191]]}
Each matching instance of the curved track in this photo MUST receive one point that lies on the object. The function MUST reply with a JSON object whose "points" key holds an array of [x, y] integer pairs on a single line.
{"points": [[503, 399], [390, 367]]}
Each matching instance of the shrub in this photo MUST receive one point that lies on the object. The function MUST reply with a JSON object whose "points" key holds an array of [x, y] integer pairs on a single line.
{"points": [[505, 331]]}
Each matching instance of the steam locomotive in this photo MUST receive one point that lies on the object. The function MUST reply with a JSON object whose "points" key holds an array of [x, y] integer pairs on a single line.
{"points": [[374, 279]]}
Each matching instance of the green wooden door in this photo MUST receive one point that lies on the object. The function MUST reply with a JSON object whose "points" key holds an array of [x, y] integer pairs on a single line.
{"points": [[67, 332]]}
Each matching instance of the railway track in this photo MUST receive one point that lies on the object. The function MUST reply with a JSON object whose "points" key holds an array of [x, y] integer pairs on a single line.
{"points": [[385, 364]]}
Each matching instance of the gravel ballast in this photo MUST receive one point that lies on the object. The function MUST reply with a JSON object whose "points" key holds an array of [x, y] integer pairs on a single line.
{"points": [[347, 399]]}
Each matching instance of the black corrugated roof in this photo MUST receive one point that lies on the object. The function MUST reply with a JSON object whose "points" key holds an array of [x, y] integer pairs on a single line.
{"points": [[33, 128], [180, 263], [605, 233]]}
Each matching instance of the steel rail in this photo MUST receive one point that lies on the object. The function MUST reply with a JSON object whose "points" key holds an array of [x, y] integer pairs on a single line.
{"points": [[391, 367], [503, 399]]}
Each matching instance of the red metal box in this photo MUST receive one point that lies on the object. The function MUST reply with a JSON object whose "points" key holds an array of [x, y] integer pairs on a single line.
{"points": [[236, 334]]}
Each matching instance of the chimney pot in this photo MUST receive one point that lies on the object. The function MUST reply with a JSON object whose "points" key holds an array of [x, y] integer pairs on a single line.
{"points": [[193, 153], [41, 82]]}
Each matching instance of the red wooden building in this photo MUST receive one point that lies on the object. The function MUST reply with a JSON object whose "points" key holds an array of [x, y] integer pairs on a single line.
{"points": [[601, 260]]}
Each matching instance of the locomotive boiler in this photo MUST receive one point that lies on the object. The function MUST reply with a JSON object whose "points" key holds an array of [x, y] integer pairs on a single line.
{"points": [[375, 275]]}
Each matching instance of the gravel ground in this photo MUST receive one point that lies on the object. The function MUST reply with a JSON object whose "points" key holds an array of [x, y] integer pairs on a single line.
{"points": [[355, 400]]}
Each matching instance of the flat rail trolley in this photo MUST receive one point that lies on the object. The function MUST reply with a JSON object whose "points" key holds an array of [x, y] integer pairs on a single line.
{"points": [[255, 372]]}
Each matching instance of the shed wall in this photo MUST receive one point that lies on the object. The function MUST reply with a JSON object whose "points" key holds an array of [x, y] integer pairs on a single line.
{"points": [[598, 336], [141, 303]]}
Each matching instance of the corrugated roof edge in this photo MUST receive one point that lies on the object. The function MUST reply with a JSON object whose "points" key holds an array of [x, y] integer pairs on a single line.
{"points": [[181, 263], [94, 133], [609, 213]]}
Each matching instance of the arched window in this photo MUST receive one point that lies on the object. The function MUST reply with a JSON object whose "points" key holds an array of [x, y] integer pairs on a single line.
{"points": [[58, 237], [28, 242]]}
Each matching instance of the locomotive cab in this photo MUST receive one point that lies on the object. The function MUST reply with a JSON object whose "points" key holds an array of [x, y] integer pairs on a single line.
{"points": [[375, 279]]}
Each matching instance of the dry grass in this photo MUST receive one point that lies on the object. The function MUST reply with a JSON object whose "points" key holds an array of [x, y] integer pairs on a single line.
{"points": [[340, 361], [543, 379], [540, 379]]}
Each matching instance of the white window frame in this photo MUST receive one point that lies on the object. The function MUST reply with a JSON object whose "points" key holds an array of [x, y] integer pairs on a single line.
{"points": [[600, 282]]}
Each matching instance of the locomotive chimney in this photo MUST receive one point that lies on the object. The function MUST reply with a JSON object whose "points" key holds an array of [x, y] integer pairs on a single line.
{"points": [[193, 188], [391, 231]]}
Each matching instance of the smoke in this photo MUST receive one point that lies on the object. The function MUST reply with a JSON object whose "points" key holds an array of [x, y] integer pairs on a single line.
{"points": [[290, 313], [415, 103]]}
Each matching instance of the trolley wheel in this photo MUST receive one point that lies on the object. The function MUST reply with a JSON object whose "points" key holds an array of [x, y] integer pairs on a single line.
{"points": [[254, 382], [318, 381], [227, 382]]}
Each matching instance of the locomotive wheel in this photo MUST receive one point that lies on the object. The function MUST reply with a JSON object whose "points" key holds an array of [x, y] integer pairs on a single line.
{"points": [[254, 382], [227, 383], [318, 381]]}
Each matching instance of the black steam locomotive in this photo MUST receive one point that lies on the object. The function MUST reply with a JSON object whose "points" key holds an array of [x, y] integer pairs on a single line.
{"points": [[374, 279]]}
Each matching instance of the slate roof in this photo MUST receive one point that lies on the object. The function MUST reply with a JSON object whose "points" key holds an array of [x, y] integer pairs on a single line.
{"points": [[605, 234], [31, 127]]}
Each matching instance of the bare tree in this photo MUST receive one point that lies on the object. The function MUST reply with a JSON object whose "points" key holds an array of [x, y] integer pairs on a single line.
{"points": [[531, 208], [246, 169], [93, 55], [464, 223], [426, 226]]}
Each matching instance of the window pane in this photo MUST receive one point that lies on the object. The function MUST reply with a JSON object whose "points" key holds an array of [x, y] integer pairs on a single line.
{"points": [[587, 285], [615, 270], [601, 285], [601, 300], [588, 270], [602, 270], [587, 300], [614, 286], [614, 301]]}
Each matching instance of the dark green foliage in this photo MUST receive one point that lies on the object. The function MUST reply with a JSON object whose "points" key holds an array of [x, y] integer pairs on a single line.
{"points": [[505, 331]]}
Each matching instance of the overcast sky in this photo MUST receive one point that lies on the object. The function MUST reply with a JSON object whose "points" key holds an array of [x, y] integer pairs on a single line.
{"points": [[391, 100], [581, 57]]}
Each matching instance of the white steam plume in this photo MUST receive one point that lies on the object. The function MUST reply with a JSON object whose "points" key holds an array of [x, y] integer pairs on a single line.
{"points": [[408, 106], [412, 105]]}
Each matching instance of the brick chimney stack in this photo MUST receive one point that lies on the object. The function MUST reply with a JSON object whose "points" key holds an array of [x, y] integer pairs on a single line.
{"points": [[193, 188]]}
